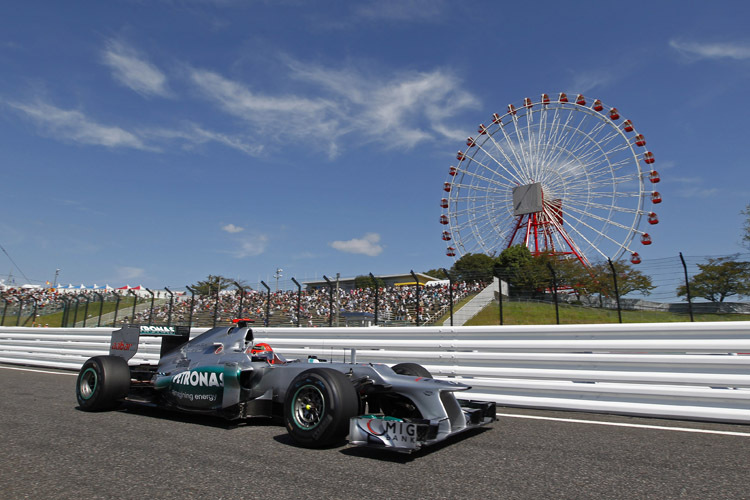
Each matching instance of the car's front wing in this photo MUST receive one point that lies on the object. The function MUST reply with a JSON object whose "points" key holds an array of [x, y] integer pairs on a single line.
{"points": [[408, 435]]}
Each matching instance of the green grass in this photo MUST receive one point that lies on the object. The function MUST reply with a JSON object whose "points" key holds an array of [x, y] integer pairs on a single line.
{"points": [[55, 319], [532, 313]]}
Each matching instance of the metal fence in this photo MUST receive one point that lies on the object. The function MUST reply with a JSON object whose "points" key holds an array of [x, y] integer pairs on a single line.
{"points": [[409, 305]]}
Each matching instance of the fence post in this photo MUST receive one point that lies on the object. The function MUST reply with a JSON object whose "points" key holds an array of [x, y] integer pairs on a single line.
{"points": [[33, 313], [375, 284], [330, 300], [101, 308], [242, 296], [617, 293], [268, 303], [171, 304], [64, 311], [554, 291], [117, 307], [216, 302], [86, 310], [192, 306], [135, 302], [299, 300], [687, 287], [496, 272], [75, 312], [18, 315], [450, 292], [416, 282], [5, 308], [151, 310]]}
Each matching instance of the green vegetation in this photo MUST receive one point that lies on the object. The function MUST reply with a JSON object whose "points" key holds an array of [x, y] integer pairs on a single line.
{"points": [[55, 319], [535, 313]]}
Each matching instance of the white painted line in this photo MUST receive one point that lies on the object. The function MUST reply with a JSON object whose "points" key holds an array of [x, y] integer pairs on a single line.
{"points": [[619, 424], [35, 370]]}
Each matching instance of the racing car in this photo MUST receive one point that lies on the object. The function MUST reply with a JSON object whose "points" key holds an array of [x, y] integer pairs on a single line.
{"points": [[225, 372]]}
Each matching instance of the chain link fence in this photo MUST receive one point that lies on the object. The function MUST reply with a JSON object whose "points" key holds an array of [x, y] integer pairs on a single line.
{"points": [[680, 288]]}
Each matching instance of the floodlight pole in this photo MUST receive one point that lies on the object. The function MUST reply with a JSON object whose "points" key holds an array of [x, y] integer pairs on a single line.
{"points": [[416, 283]]}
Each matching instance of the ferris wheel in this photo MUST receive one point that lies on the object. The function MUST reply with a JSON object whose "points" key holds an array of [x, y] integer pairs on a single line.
{"points": [[566, 177]]}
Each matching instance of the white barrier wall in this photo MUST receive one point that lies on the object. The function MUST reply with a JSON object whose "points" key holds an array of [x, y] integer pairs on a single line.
{"points": [[676, 370]]}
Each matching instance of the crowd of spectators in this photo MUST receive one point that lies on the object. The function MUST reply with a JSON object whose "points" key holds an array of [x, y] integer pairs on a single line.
{"points": [[396, 304]]}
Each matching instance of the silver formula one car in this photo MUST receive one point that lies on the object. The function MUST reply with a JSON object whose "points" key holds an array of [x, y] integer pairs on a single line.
{"points": [[223, 372]]}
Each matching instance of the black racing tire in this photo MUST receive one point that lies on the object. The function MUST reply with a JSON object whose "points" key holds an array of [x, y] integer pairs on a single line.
{"points": [[102, 383], [319, 403], [412, 369]]}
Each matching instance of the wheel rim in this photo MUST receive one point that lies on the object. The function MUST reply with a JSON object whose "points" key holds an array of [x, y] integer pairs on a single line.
{"points": [[87, 386], [308, 407]]}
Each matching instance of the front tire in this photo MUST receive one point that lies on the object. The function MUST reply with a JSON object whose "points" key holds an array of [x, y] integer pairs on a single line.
{"points": [[319, 403], [102, 383]]}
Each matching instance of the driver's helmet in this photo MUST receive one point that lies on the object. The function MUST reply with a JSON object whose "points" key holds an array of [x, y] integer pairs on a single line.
{"points": [[260, 349], [263, 351]]}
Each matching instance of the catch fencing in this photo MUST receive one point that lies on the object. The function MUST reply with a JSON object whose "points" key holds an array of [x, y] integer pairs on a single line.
{"points": [[697, 371]]}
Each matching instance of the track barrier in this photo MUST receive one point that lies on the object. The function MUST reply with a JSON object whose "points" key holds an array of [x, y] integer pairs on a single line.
{"points": [[696, 371]]}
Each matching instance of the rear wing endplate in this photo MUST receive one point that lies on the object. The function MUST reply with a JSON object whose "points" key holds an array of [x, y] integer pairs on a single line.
{"points": [[124, 342]]}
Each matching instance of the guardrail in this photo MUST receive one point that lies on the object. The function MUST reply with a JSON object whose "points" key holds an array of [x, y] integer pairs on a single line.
{"points": [[674, 370]]}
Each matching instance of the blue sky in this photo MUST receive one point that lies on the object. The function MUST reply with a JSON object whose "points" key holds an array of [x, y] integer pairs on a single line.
{"points": [[155, 143]]}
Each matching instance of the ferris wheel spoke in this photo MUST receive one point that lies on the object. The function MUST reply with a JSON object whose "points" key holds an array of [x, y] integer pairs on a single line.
{"points": [[513, 178], [589, 215], [514, 152]]}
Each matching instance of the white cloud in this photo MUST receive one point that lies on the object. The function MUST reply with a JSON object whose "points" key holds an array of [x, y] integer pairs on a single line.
{"points": [[250, 246], [366, 245], [698, 50], [399, 112], [133, 71], [126, 272], [231, 228], [77, 127]]}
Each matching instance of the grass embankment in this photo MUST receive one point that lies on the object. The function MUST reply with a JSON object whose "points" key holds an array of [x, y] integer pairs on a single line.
{"points": [[55, 319], [532, 313]]}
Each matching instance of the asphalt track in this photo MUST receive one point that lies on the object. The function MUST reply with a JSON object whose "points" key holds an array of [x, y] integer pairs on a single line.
{"points": [[50, 449]]}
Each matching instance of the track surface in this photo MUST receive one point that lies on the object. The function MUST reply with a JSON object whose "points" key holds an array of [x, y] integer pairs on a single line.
{"points": [[51, 449]]}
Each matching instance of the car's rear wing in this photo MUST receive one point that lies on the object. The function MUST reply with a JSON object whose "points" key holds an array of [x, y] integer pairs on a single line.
{"points": [[124, 342]]}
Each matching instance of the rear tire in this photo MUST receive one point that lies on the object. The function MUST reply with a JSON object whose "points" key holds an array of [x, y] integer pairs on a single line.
{"points": [[319, 403], [102, 383]]}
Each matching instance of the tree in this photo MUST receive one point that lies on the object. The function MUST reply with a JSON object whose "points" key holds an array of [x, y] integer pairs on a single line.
{"points": [[363, 282], [436, 273], [523, 272], [628, 280], [212, 284], [746, 226], [473, 266], [719, 278]]}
